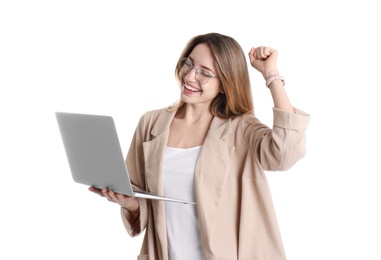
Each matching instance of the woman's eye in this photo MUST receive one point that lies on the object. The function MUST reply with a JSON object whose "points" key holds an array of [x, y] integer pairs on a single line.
{"points": [[206, 73]]}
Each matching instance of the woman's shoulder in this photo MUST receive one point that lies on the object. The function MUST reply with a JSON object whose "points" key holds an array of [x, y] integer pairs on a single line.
{"points": [[248, 124], [161, 111], [246, 119]]}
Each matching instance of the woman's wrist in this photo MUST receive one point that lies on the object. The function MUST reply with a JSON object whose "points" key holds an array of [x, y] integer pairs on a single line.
{"points": [[273, 78], [133, 214], [270, 72], [133, 207]]}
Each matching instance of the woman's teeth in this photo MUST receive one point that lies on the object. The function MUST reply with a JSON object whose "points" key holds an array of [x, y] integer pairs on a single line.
{"points": [[191, 88]]}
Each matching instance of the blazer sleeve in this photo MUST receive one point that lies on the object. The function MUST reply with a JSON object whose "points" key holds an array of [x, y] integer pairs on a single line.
{"points": [[135, 165], [279, 148]]}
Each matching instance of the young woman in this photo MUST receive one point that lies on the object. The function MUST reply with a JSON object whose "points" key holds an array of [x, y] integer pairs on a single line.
{"points": [[210, 147]]}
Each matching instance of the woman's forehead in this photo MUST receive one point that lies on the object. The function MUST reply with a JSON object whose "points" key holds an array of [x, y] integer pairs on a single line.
{"points": [[202, 55]]}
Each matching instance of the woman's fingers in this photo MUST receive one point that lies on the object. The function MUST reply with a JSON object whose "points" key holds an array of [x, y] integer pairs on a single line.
{"points": [[107, 194], [263, 52], [260, 53], [264, 59], [116, 197], [252, 55], [112, 196], [128, 202], [96, 191], [121, 197]]}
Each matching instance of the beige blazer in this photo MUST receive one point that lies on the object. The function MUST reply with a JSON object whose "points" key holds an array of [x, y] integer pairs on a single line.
{"points": [[235, 209]]}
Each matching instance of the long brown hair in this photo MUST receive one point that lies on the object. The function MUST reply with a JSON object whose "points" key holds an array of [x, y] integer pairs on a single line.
{"points": [[232, 72]]}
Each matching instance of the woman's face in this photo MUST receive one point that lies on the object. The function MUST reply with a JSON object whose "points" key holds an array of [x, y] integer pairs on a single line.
{"points": [[193, 91]]}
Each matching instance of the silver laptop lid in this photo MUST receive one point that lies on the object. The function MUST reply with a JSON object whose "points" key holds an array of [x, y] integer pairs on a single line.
{"points": [[93, 151], [94, 154]]}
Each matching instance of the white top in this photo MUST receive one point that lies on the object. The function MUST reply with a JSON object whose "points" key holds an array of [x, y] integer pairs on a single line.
{"points": [[183, 233]]}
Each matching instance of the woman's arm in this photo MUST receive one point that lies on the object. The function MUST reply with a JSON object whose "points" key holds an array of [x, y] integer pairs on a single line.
{"points": [[264, 59]]}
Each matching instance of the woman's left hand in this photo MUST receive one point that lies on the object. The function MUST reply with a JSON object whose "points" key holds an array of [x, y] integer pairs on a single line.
{"points": [[128, 202], [264, 59]]}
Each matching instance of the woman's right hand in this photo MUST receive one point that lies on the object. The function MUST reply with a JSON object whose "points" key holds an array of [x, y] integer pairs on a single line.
{"points": [[128, 202], [264, 59]]}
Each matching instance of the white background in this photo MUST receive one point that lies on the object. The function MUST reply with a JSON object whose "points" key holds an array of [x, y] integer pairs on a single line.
{"points": [[118, 58]]}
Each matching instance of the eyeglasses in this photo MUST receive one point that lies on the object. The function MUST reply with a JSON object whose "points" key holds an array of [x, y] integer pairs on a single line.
{"points": [[202, 75]]}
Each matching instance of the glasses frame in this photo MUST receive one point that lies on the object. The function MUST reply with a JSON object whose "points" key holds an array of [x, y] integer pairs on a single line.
{"points": [[196, 70]]}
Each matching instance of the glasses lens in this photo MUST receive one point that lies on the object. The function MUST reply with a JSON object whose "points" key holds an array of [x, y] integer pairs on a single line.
{"points": [[202, 75], [185, 66]]}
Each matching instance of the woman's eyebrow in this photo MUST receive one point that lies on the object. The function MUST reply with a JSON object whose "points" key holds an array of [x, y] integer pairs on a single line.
{"points": [[202, 66]]}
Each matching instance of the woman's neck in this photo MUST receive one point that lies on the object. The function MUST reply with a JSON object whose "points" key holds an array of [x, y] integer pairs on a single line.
{"points": [[192, 113]]}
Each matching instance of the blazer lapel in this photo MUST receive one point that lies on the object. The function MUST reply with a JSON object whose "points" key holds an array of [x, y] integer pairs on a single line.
{"points": [[211, 173], [153, 154]]}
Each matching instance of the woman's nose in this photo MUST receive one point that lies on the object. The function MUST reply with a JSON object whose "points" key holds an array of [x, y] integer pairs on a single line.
{"points": [[192, 75]]}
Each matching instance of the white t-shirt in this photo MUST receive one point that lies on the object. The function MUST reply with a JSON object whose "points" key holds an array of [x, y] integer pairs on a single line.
{"points": [[183, 232]]}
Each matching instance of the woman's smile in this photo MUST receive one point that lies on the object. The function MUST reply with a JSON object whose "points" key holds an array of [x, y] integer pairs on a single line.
{"points": [[189, 89]]}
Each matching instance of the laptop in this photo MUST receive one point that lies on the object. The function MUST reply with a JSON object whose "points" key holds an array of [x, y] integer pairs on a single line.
{"points": [[94, 154]]}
